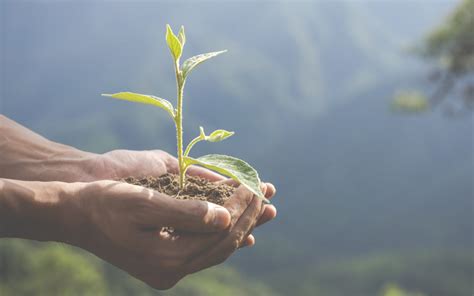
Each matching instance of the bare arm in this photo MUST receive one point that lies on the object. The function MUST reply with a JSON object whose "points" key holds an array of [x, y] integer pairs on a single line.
{"points": [[122, 223], [31, 210], [25, 155]]}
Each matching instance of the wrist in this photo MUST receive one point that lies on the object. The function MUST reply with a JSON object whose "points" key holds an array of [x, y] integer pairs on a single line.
{"points": [[30, 157], [67, 164], [40, 211]]}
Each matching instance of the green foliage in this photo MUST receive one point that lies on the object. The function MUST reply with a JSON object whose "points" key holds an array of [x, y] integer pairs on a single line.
{"points": [[51, 270], [174, 44], [144, 99], [410, 101], [215, 136], [181, 36], [232, 167], [453, 42], [451, 49], [235, 168], [222, 281], [394, 290], [426, 272], [194, 61]]}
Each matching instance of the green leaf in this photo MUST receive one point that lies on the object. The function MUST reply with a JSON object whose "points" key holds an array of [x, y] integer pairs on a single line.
{"points": [[215, 136], [232, 167], [144, 99], [174, 44], [192, 62], [410, 101], [219, 135], [182, 36], [202, 134]]}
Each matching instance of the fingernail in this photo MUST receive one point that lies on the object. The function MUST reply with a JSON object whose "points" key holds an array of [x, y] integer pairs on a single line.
{"points": [[221, 217]]}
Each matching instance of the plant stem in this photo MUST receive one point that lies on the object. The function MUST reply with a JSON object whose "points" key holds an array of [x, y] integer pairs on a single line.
{"points": [[191, 144], [179, 125]]}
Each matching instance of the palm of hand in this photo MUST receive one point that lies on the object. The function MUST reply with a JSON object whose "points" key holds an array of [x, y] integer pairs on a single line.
{"points": [[173, 266], [119, 164]]}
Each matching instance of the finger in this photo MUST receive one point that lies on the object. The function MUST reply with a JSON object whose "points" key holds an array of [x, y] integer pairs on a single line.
{"points": [[249, 232], [269, 213], [198, 171], [230, 182], [238, 203], [271, 190], [249, 238], [248, 242], [192, 215], [232, 241]]}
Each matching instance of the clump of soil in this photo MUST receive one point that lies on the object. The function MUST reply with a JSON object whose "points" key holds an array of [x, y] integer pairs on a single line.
{"points": [[196, 188]]}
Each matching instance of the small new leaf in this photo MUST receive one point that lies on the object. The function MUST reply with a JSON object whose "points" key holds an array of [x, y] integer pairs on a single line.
{"points": [[219, 135], [192, 62], [144, 99], [175, 46], [232, 167], [182, 36], [202, 134]]}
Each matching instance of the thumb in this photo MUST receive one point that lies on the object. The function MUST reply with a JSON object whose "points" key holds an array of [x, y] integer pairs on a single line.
{"points": [[195, 215]]}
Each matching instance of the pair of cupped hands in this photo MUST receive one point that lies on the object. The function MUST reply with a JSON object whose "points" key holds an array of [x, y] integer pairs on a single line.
{"points": [[127, 219]]}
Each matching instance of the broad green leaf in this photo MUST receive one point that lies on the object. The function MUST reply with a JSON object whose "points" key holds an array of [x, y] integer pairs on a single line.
{"points": [[192, 62], [182, 36], [232, 167], [174, 45], [144, 99], [219, 135]]}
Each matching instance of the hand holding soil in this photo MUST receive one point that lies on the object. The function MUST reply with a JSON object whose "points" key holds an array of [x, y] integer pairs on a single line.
{"points": [[152, 236], [129, 227], [121, 164]]}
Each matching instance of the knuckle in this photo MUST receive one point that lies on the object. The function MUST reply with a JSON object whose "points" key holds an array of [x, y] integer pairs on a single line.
{"points": [[235, 244], [236, 239], [245, 194], [162, 153]]}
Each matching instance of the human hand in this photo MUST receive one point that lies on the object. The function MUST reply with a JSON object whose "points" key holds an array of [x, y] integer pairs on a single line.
{"points": [[122, 224], [30, 157], [119, 164]]}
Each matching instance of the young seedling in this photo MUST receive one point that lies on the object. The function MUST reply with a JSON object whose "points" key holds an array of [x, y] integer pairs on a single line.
{"points": [[232, 167]]}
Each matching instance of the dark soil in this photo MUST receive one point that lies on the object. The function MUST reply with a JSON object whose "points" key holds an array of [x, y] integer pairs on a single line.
{"points": [[195, 188]]}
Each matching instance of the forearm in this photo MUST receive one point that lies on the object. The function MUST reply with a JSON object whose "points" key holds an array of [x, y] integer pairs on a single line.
{"points": [[25, 155], [43, 211]]}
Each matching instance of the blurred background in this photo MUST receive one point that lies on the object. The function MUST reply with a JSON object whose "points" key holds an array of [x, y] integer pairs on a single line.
{"points": [[360, 112]]}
